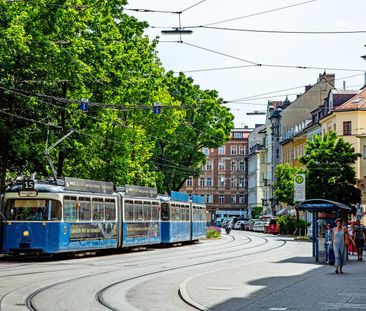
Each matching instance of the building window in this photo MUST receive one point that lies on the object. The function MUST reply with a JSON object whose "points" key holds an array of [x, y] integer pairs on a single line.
{"points": [[209, 182], [242, 149], [221, 165], [242, 165], [202, 182], [189, 182], [347, 128], [205, 152], [234, 182], [364, 151], [221, 198], [209, 198], [234, 150], [233, 165], [241, 199], [238, 135], [241, 182], [233, 199], [209, 166], [221, 150], [221, 181]]}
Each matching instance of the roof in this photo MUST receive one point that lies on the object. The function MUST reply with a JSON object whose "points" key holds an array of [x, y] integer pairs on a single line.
{"points": [[321, 204], [356, 102]]}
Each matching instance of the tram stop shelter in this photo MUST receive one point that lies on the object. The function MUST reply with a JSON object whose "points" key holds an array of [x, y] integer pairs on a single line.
{"points": [[323, 212]]}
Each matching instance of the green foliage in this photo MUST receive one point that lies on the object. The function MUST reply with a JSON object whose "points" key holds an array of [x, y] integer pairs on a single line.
{"points": [[330, 169], [54, 53], [289, 225], [284, 186], [213, 233], [256, 212]]}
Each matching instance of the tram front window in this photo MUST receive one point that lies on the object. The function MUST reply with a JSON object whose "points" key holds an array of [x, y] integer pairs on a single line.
{"points": [[33, 210]]}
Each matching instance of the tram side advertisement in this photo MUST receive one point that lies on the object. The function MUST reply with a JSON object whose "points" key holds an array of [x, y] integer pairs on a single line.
{"points": [[93, 231]]}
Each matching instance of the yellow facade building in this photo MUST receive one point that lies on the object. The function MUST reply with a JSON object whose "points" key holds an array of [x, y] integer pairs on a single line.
{"points": [[349, 121]]}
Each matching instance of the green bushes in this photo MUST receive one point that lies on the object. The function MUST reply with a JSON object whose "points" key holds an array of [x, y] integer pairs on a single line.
{"points": [[213, 233], [288, 224]]}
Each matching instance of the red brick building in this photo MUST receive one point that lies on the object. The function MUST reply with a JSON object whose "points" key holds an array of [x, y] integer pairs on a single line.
{"points": [[224, 179]]}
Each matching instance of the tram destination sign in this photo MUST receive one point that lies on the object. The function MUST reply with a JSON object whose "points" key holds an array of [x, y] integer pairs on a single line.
{"points": [[86, 185], [145, 192]]}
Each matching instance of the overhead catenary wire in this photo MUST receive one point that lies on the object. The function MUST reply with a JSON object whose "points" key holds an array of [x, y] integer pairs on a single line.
{"points": [[289, 32], [288, 89], [260, 13], [181, 168], [65, 100], [269, 65]]}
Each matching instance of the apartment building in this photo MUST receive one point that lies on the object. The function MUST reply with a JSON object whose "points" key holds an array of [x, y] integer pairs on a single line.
{"points": [[224, 178]]}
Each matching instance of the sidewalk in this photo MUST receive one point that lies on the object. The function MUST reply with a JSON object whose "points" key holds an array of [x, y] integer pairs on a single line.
{"points": [[294, 284]]}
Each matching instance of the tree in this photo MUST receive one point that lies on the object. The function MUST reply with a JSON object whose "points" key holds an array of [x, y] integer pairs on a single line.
{"points": [[204, 123], [284, 186], [330, 173], [54, 53]]}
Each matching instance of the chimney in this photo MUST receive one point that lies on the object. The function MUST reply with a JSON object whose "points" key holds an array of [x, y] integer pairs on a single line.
{"points": [[308, 87]]}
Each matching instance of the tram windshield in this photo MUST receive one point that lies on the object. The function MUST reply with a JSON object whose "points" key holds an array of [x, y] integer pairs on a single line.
{"points": [[33, 210]]}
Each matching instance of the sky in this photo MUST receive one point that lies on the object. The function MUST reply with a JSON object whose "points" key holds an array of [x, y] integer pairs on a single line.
{"points": [[227, 59]]}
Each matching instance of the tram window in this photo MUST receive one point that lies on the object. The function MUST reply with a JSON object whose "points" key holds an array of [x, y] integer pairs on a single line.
{"points": [[181, 213], [55, 210], [165, 211], [195, 213], [155, 209], [85, 208], [174, 212], [97, 209], [110, 209], [186, 213], [70, 208], [147, 210], [32, 210], [138, 210], [129, 211]]}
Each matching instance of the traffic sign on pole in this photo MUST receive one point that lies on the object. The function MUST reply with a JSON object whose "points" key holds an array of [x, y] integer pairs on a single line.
{"points": [[299, 187]]}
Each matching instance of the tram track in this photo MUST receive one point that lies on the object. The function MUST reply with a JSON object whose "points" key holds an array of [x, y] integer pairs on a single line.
{"points": [[29, 299], [86, 266], [31, 305], [100, 293]]}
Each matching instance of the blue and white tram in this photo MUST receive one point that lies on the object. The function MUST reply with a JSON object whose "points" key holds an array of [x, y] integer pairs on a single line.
{"points": [[50, 218], [140, 216], [176, 218], [198, 217]]}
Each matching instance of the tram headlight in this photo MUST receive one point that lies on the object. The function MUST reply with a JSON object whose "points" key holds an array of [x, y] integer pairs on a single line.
{"points": [[25, 233]]}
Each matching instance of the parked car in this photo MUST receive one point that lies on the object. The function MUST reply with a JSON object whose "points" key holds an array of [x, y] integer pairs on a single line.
{"points": [[251, 224], [273, 227], [239, 225], [259, 226]]}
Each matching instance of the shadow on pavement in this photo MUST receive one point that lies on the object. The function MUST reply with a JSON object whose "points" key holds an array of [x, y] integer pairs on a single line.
{"points": [[317, 289]]}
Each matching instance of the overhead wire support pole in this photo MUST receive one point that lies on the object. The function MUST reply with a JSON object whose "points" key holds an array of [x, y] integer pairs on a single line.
{"points": [[48, 149]]}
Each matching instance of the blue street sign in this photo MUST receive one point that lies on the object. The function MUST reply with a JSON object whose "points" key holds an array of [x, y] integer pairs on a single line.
{"points": [[157, 108], [84, 105]]}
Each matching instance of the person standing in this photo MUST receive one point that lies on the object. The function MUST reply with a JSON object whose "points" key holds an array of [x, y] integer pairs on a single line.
{"points": [[327, 242], [340, 238], [359, 233]]}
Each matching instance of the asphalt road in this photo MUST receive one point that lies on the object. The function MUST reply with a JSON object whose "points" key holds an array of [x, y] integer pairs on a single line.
{"points": [[220, 274]]}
